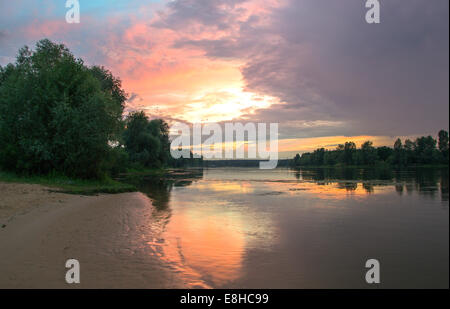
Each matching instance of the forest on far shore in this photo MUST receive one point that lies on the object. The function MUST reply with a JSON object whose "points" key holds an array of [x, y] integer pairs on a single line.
{"points": [[424, 150]]}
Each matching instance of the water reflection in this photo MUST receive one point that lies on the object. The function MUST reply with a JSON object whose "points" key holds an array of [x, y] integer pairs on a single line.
{"points": [[425, 181], [203, 245], [158, 188], [252, 228]]}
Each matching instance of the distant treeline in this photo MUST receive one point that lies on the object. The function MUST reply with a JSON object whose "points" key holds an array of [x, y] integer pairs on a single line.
{"points": [[424, 150], [59, 116]]}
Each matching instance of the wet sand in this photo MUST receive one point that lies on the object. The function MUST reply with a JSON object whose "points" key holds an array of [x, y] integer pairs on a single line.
{"points": [[107, 234]]}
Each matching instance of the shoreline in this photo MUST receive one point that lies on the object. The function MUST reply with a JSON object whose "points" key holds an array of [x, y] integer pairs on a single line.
{"points": [[63, 184], [108, 234]]}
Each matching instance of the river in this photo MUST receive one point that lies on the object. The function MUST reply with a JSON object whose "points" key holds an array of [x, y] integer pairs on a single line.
{"points": [[313, 228]]}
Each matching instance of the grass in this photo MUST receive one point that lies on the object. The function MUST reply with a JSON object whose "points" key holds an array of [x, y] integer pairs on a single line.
{"points": [[69, 185], [144, 171]]}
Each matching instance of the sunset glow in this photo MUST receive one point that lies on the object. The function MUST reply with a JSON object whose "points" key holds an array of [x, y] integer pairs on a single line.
{"points": [[255, 61]]}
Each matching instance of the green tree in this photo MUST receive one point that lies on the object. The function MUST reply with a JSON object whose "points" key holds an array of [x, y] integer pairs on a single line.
{"points": [[398, 156], [426, 152], [384, 153], [160, 129], [330, 157], [297, 160], [56, 114], [443, 145], [410, 147], [318, 156], [421, 151], [368, 153], [349, 150], [146, 142]]}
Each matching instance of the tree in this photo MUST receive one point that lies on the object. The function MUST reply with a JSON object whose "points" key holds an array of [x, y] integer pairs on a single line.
{"points": [[384, 153], [349, 150], [318, 156], [398, 157], [160, 128], [426, 152], [330, 157], [409, 148], [421, 151], [368, 153], [147, 142], [443, 145], [297, 160], [56, 114]]}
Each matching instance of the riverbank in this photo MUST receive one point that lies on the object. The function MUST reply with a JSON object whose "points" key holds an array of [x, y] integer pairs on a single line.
{"points": [[107, 234], [65, 184], [376, 166]]}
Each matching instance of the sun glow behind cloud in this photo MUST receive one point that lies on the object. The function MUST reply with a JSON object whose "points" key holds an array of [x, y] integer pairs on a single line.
{"points": [[207, 91], [224, 105]]}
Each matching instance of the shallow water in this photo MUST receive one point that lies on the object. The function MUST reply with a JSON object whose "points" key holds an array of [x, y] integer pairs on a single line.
{"points": [[250, 228]]}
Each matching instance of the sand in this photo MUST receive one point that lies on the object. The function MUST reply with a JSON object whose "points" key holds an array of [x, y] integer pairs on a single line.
{"points": [[107, 234]]}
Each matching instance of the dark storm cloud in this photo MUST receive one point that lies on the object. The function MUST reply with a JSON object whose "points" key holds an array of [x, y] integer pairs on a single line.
{"points": [[326, 63], [390, 78]]}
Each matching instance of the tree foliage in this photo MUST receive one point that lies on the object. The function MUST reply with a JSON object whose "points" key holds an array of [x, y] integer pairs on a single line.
{"points": [[422, 151], [443, 145], [146, 141], [56, 114]]}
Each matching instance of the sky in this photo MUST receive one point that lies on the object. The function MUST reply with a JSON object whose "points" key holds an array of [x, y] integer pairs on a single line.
{"points": [[315, 67]]}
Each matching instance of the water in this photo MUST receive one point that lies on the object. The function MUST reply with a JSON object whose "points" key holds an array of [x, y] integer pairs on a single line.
{"points": [[250, 228]]}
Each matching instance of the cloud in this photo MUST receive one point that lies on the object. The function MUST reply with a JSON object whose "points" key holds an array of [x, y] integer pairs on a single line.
{"points": [[329, 64], [324, 70], [325, 63], [219, 14]]}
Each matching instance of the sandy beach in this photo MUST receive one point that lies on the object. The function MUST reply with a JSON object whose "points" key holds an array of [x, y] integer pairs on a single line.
{"points": [[107, 234]]}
